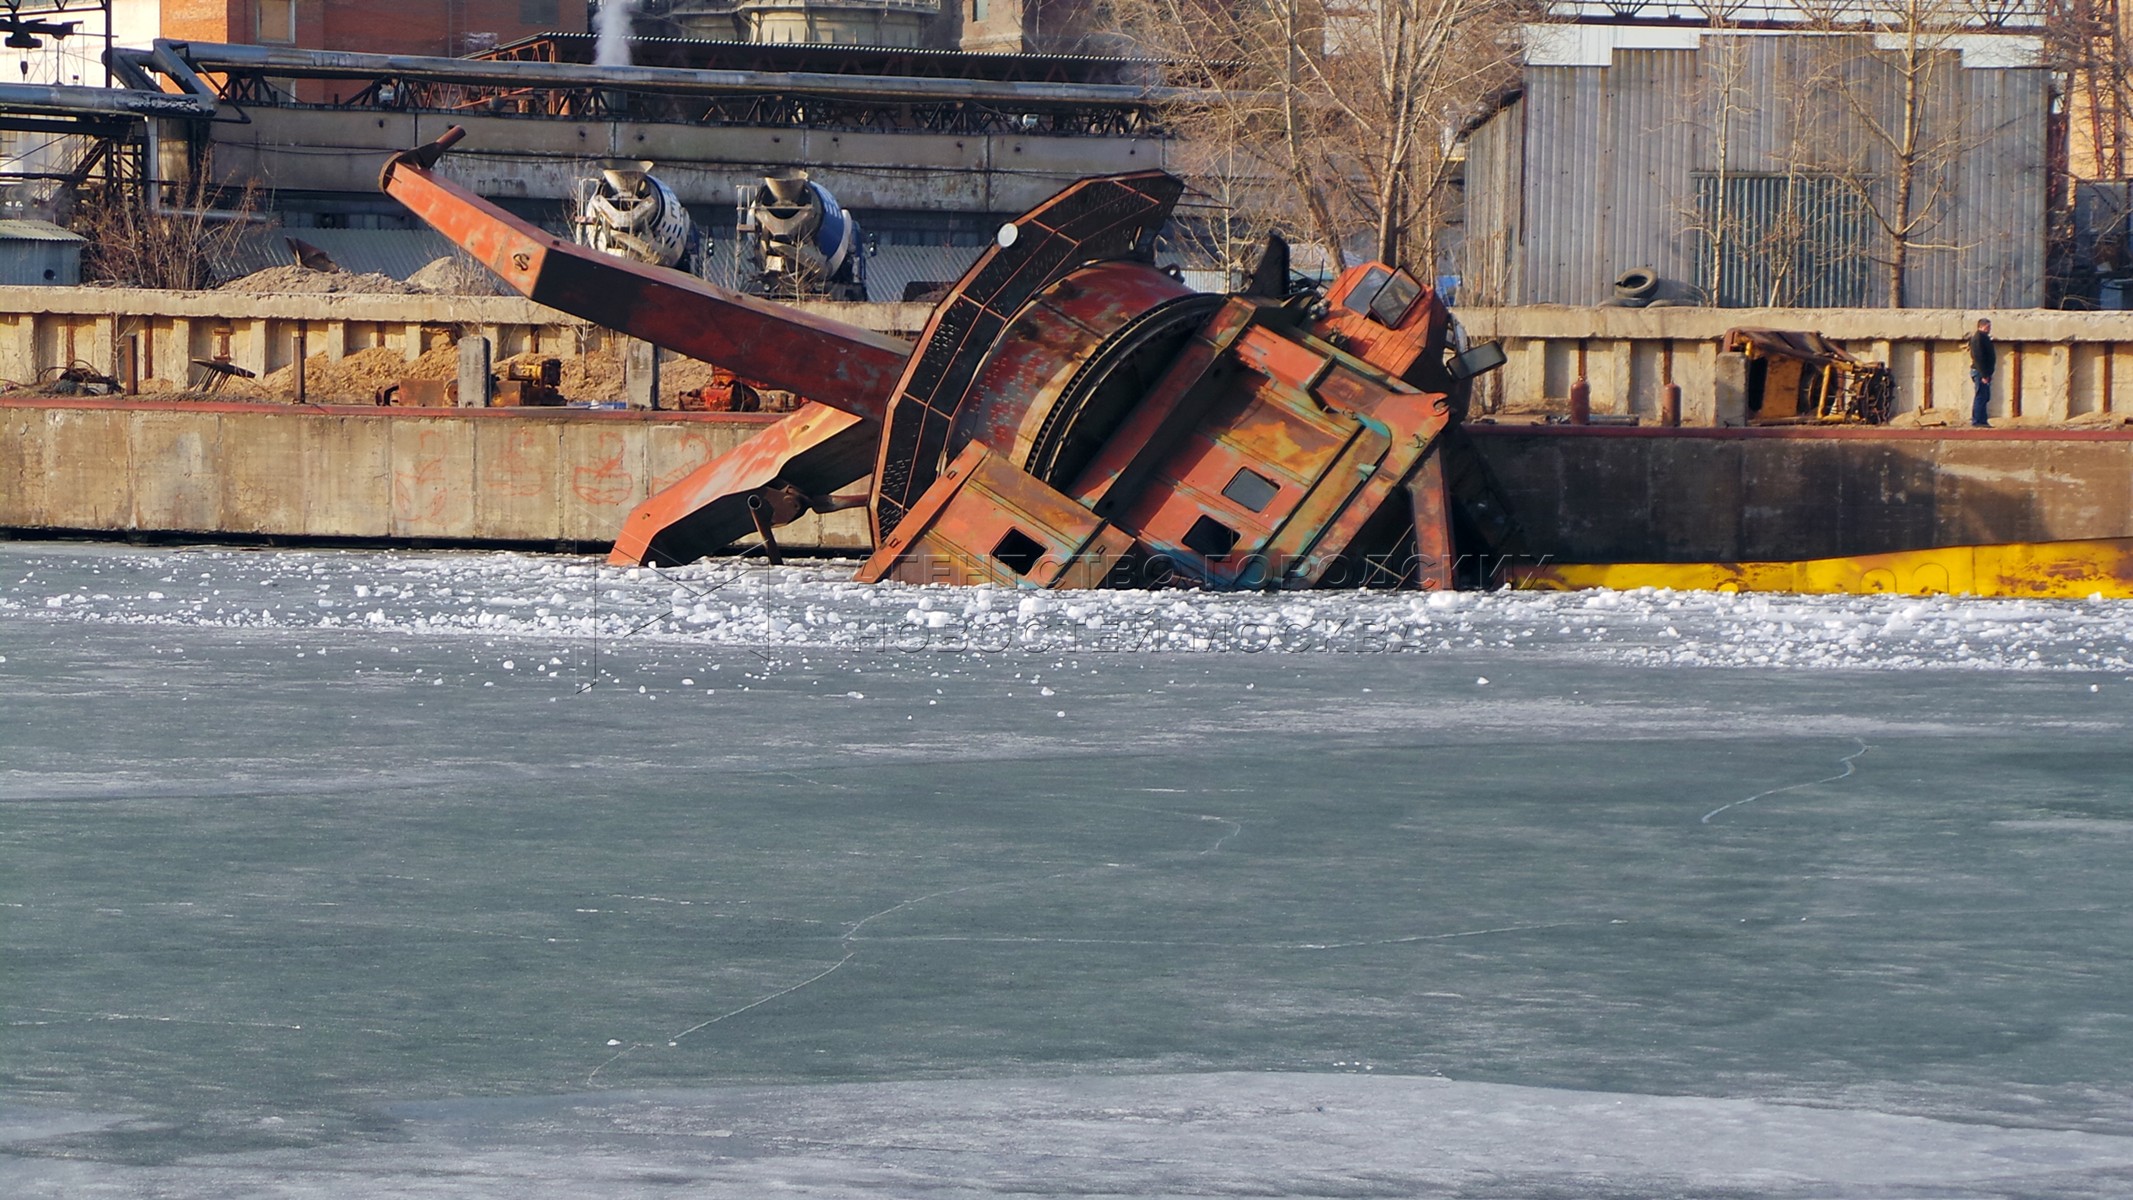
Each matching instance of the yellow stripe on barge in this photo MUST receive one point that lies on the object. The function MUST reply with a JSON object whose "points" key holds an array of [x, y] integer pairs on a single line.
{"points": [[2068, 570]]}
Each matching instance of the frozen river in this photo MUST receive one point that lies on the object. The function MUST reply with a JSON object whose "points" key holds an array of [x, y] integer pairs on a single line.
{"points": [[335, 874]]}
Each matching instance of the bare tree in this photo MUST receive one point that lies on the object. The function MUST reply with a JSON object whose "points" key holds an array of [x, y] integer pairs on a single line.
{"points": [[1720, 109], [174, 241], [1895, 123], [1332, 119]]}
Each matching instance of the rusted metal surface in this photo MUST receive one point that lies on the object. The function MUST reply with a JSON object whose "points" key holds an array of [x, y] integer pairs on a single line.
{"points": [[813, 452], [1095, 220], [1435, 556], [984, 521], [1074, 415]]}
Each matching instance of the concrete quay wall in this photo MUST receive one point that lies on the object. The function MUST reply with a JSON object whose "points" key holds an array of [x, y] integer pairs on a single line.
{"points": [[544, 477], [1598, 494], [537, 477], [46, 328], [2054, 366]]}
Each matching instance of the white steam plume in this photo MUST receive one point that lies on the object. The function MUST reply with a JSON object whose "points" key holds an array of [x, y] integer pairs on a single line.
{"points": [[613, 48]]}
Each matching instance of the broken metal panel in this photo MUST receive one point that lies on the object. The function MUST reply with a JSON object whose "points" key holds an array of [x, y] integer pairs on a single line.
{"points": [[815, 451], [1095, 220], [985, 522]]}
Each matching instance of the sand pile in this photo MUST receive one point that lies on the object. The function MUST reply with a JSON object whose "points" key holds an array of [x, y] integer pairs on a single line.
{"points": [[2098, 420], [598, 376], [358, 378], [305, 281], [457, 275]]}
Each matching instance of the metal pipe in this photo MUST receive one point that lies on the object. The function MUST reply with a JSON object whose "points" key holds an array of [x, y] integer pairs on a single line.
{"points": [[759, 513], [215, 57], [1581, 392], [153, 185], [74, 100]]}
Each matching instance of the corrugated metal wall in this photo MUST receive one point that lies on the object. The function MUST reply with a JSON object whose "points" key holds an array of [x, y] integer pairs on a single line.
{"points": [[40, 262], [1495, 200], [1601, 169]]}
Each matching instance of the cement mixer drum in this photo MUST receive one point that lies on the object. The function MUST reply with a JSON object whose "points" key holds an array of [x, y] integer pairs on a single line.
{"points": [[627, 212]]}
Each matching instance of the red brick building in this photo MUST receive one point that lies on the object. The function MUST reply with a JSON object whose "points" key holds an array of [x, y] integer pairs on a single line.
{"points": [[446, 27]]}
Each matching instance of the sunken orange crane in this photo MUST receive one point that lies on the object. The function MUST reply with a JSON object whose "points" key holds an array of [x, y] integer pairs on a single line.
{"points": [[1072, 416]]}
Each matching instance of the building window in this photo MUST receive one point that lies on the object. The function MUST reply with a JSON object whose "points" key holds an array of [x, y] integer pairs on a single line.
{"points": [[1784, 241], [275, 21], [538, 12]]}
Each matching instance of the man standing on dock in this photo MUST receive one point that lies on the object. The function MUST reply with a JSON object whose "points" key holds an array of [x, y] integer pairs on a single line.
{"points": [[1982, 362]]}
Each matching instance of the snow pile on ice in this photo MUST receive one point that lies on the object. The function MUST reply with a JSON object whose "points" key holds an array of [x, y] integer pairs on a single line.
{"points": [[751, 604]]}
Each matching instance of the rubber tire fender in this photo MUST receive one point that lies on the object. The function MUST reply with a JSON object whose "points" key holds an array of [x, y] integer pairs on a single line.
{"points": [[1637, 283]]}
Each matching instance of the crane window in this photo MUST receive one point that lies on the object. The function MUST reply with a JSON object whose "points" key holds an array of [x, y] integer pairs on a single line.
{"points": [[1018, 552], [1251, 489], [1210, 538]]}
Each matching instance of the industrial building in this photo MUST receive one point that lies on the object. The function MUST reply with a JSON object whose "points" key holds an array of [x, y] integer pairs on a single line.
{"points": [[447, 27], [986, 26], [930, 148], [1744, 166], [38, 254]]}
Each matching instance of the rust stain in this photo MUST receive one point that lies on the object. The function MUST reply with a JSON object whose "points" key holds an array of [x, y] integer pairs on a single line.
{"points": [[419, 492], [519, 471], [694, 452], [604, 482]]}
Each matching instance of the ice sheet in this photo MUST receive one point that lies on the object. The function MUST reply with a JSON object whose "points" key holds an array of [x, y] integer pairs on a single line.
{"points": [[827, 890], [1176, 1135], [745, 603]]}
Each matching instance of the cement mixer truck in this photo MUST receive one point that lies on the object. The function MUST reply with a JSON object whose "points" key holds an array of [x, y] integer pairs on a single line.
{"points": [[626, 212], [797, 243], [794, 241]]}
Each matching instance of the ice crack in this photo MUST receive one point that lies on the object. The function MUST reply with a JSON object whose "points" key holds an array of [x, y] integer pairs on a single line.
{"points": [[1850, 762]]}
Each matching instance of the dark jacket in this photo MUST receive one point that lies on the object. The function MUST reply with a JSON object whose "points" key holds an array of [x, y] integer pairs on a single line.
{"points": [[1982, 357]]}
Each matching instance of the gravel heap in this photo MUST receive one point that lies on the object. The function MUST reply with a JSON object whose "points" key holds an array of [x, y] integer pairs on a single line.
{"points": [[457, 275], [304, 281]]}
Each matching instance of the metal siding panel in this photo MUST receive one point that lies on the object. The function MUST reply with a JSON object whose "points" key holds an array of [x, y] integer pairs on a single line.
{"points": [[1999, 201], [1653, 140], [1941, 253], [26, 263], [1563, 252], [1552, 101], [1610, 156], [395, 252], [1488, 252]]}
